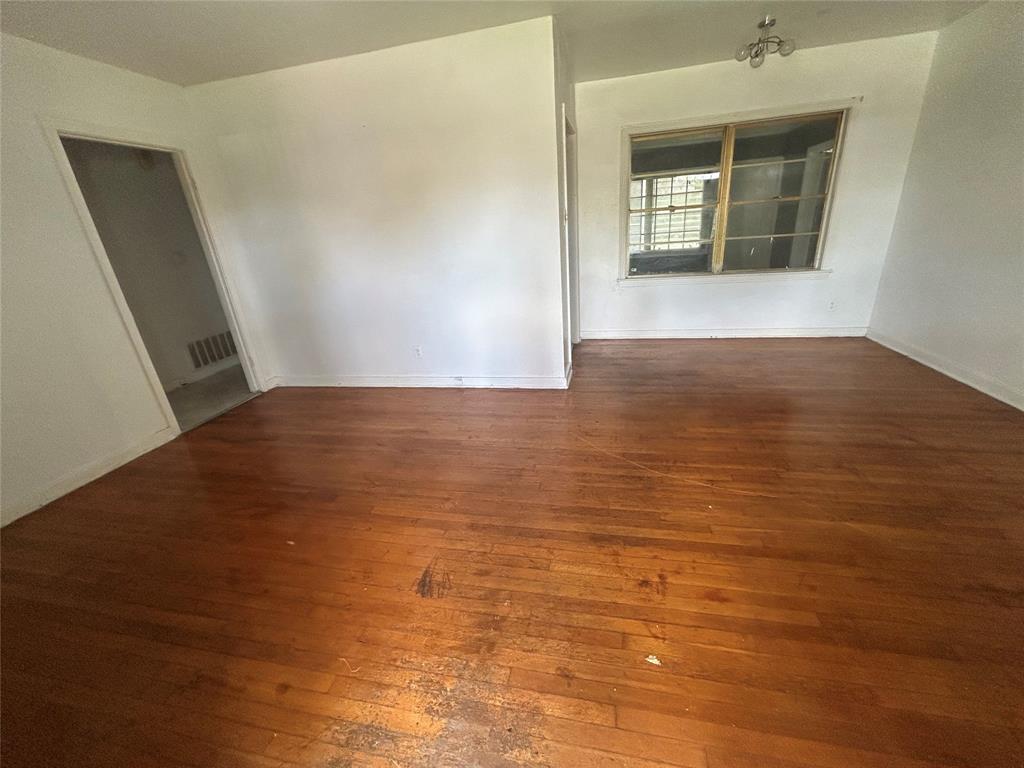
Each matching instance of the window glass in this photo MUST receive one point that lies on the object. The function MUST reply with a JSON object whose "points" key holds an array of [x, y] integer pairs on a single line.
{"points": [[768, 212], [673, 195], [775, 218], [780, 179], [788, 139], [795, 252], [780, 175]]}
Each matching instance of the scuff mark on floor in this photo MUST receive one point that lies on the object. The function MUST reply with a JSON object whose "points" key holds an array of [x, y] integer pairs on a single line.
{"points": [[434, 582], [659, 587]]}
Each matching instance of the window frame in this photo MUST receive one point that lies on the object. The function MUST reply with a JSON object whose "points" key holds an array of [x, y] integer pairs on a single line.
{"points": [[728, 124]]}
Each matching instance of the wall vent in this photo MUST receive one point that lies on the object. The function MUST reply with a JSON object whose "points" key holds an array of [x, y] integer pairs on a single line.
{"points": [[211, 349]]}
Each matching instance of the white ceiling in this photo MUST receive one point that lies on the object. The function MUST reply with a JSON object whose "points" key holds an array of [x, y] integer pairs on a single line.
{"points": [[195, 41]]}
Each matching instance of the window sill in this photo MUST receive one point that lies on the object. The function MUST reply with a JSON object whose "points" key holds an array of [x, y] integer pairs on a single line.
{"points": [[726, 278]]}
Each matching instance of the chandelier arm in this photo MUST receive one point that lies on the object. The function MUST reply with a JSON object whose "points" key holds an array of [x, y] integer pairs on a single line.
{"points": [[766, 43]]}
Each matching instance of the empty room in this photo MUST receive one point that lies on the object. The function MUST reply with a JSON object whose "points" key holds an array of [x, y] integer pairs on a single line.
{"points": [[496, 384]]}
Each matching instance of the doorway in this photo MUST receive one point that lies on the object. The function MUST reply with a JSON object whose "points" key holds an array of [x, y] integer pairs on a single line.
{"points": [[570, 247], [140, 211], [572, 230]]}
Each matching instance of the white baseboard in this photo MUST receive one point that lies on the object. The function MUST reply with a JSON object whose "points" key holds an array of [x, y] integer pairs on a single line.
{"points": [[86, 473], [720, 333], [974, 379], [474, 382], [206, 371]]}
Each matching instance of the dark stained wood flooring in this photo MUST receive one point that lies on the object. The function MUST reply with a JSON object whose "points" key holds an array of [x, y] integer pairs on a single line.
{"points": [[712, 554]]}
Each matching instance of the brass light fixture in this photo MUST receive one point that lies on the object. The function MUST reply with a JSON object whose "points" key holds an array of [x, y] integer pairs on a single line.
{"points": [[766, 43]]}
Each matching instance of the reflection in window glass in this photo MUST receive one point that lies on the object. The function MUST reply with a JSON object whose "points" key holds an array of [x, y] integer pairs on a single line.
{"points": [[783, 179], [773, 199], [786, 139], [673, 195], [780, 176], [772, 218], [795, 252]]}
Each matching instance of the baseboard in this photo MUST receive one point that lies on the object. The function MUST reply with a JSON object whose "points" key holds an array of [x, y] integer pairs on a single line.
{"points": [[721, 333], [86, 474], [206, 371], [469, 382], [974, 379]]}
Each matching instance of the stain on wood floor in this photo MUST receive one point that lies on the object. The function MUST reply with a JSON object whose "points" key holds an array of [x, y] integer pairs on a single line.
{"points": [[712, 554]]}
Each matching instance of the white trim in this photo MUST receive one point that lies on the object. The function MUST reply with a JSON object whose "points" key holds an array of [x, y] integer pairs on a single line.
{"points": [[55, 127], [198, 374], [724, 278], [572, 220], [974, 379], [88, 472], [743, 116], [53, 130], [721, 333], [493, 382], [563, 237], [221, 282]]}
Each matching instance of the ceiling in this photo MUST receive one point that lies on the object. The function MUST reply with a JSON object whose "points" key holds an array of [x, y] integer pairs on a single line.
{"points": [[195, 41]]}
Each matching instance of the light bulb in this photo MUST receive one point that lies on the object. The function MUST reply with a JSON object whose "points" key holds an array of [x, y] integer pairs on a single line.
{"points": [[757, 59], [787, 47], [742, 52]]}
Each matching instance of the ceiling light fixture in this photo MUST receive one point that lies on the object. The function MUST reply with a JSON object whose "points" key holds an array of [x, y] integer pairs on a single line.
{"points": [[766, 43]]}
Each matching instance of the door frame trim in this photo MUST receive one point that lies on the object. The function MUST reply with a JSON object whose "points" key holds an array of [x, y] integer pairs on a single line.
{"points": [[56, 128]]}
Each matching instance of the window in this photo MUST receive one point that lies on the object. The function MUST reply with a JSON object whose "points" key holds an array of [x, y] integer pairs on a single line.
{"points": [[732, 198]]}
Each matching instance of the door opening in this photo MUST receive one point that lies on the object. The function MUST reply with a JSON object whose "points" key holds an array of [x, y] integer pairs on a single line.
{"points": [[572, 230], [138, 206], [570, 255]]}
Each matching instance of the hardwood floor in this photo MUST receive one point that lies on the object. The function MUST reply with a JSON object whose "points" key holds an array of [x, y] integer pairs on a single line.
{"points": [[714, 554]]}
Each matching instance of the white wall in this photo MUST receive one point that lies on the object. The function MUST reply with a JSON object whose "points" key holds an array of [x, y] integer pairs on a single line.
{"points": [[889, 74], [397, 201], [150, 238], [75, 397], [362, 208], [952, 294]]}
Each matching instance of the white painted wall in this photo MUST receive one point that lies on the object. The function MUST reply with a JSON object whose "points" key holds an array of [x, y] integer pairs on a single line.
{"points": [[952, 294], [75, 397], [362, 208], [397, 201], [889, 74], [150, 238]]}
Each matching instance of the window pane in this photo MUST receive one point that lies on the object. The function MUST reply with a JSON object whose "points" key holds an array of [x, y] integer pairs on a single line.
{"points": [[776, 218], [790, 179], [681, 154], [673, 192], [679, 191], [771, 253], [671, 261], [794, 139], [684, 228]]}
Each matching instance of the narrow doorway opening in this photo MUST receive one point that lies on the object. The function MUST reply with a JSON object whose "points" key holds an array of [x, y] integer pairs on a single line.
{"points": [[138, 205], [572, 229]]}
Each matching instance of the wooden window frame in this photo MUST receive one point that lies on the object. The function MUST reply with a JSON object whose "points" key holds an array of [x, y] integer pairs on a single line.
{"points": [[725, 188]]}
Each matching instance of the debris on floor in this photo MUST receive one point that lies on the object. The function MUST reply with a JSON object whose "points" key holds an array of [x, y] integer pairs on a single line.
{"points": [[652, 659]]}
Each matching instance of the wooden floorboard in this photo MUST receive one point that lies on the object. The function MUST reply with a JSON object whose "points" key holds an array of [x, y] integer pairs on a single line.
{"points": [[715, 554]]}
